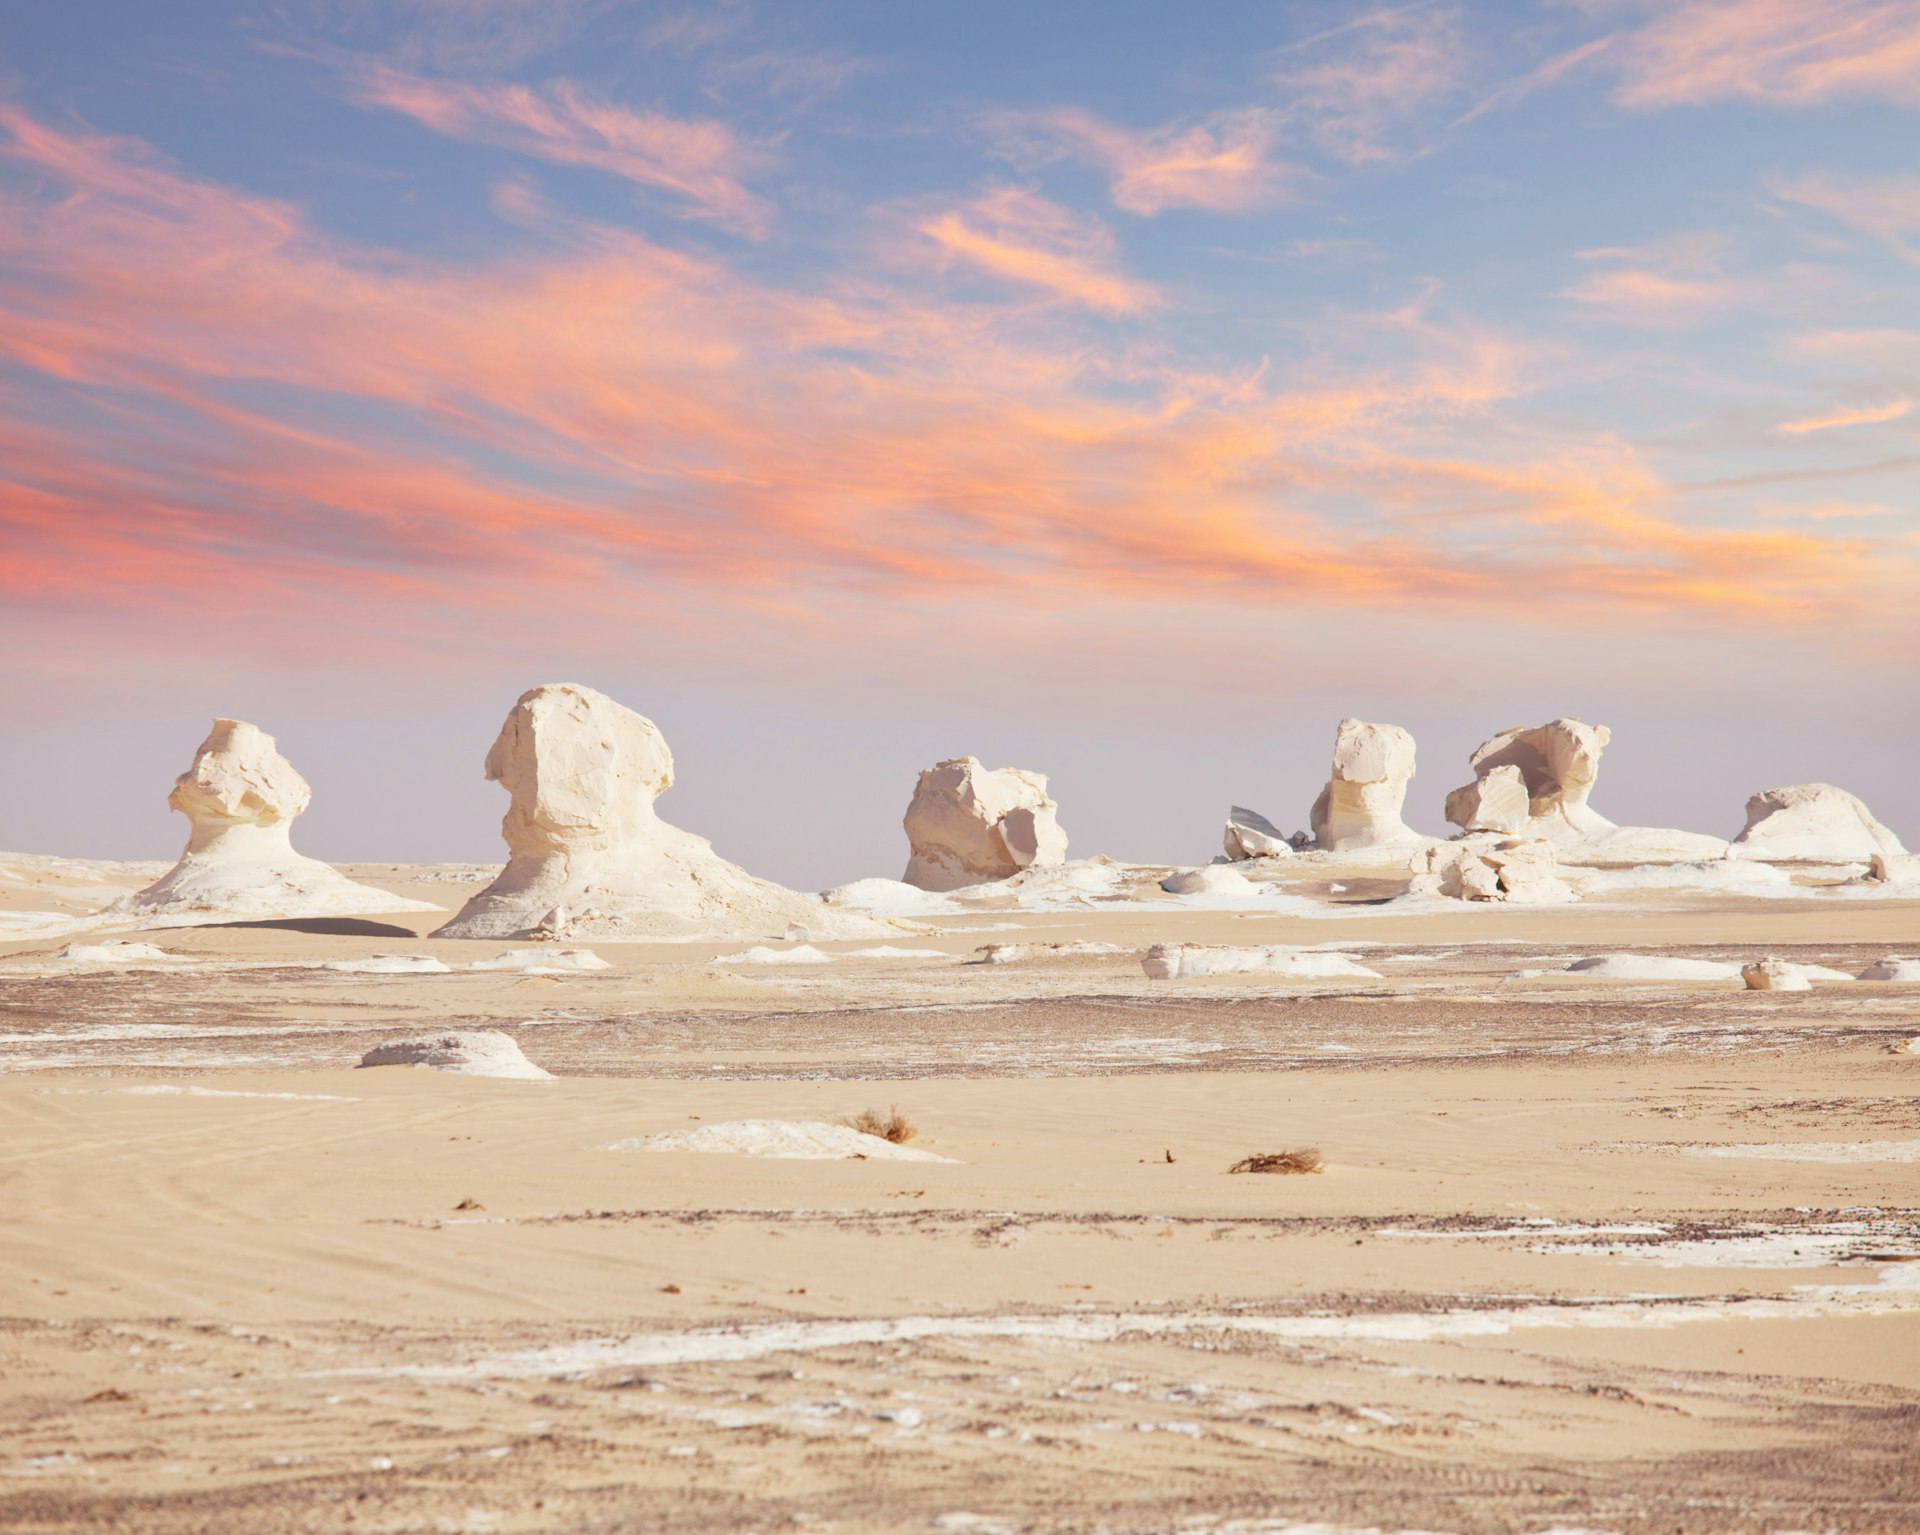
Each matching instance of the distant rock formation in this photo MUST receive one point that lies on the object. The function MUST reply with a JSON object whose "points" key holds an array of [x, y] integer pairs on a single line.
{"points": [[1486, 867], [1360, 806], [971, 825], [1771, 974], [1813, 823], [240, 798], [1557, 763], [470, 1052], [1536, 782], [1249, 834], [588, 855]]}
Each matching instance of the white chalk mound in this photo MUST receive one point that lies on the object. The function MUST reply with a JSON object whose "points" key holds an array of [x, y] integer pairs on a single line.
{"points": [[1653, 967], [1360, 806], [969, 825], [240, 798], [1182, 961], [888, 951], [1893, 869], [1249, 834], [1773, 975], [588, 855], [1812, 823], [1488, 867], [1211, 879], [391, 964], [543, 961], [1892, 968], [471, 1052], [760, 954], [889, 898], [116, 951], [799, 1140]]}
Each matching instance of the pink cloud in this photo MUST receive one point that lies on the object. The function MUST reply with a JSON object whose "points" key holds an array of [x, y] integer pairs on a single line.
{"points": [[1225, 165], [1359, 104], [1887, 207], [1785, 52], [1668, 283], [700, 161], [1026, 239], [1864, 415]]}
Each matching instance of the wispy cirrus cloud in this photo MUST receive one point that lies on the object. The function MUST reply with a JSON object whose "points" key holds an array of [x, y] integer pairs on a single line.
{"points": [[1226, 164], [1365, 101], [1859, 415], [1026, 239], [700, 163], [1791, 53], [1665, 284], [1886, 207]]}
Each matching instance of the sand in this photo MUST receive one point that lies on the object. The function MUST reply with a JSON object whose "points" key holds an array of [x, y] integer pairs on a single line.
{"points": [[1630, 1254]]}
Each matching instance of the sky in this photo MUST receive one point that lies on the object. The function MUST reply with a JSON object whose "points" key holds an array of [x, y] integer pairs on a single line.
{"points": [[1124, 391]]}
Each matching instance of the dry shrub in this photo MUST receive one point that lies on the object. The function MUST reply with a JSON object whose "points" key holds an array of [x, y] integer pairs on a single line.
{"points": [[1304, 1160], [890, 1126]]}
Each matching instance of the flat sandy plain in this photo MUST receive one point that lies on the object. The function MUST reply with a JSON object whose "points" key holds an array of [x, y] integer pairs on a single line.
{"points": [[1621, 1256]]}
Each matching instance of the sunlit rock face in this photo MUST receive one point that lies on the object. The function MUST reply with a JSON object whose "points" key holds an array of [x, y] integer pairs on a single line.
{"points": [[971, 825], [1489, 867], [240, 798], [589, 856], [1360, 806], [1815, 823]]}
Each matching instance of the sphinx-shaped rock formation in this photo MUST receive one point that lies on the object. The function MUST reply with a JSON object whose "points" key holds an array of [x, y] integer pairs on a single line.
{"points": [[1536, 783], [1249, 834], [1812, 822], [240, 798], [1486, 867], [970, 825], [589, 857], [1360, 806]]}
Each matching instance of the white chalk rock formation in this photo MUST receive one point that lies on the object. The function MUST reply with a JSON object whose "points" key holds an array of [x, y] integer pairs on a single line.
{"points": [[1653, 967], [1497, 801], [1812, 822], [1893, 869], [795, 1139], [1892, 968], [588, 855], [1211, 879], [1557, 762], [1773, 975], [1184, 961], [240, 798], [1484, 867], [1360, 806], [970, 825], [1249, 834], [471, 1052], [390, 964]]}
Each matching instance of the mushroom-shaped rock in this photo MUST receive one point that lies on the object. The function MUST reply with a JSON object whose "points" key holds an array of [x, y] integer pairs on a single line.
{"points": [[1812, 822], [1360, 806], [588, 855], [1519, 870], [1249, 834], [1558, 763], [471, 1052], [971, 825], [240, 798]]}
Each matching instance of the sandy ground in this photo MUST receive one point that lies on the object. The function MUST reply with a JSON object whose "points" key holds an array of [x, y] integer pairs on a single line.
{"points": [[1625, 1256]]}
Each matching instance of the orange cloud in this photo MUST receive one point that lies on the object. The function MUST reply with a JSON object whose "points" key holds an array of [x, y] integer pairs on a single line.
{"points": [[1026, 239], [1871, 415], [1888, 208], [1785, 52], [1226, 165], [224, 409], [701, 162], [1669, 283]]}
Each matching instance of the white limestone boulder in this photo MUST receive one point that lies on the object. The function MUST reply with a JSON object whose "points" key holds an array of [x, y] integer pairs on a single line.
{"points": [[1497, 801], [468, 1052], [240, 799], [972, 825], [1360, 806], [1812, 823], [1188, 961], [1773, 975], [1486, 867], [589, 857], [1249, 834], [1892, 968]]}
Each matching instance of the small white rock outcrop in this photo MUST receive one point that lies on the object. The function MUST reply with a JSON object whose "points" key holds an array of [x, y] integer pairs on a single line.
{"points": [[1812, 823], [1487, 867], [1892, 968], [1185, 961], [588, 855], [1249, 834], [1496, 801], [1770, 974], [240, 799], [470, 1052], [971, 825], [1360, 806]]}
